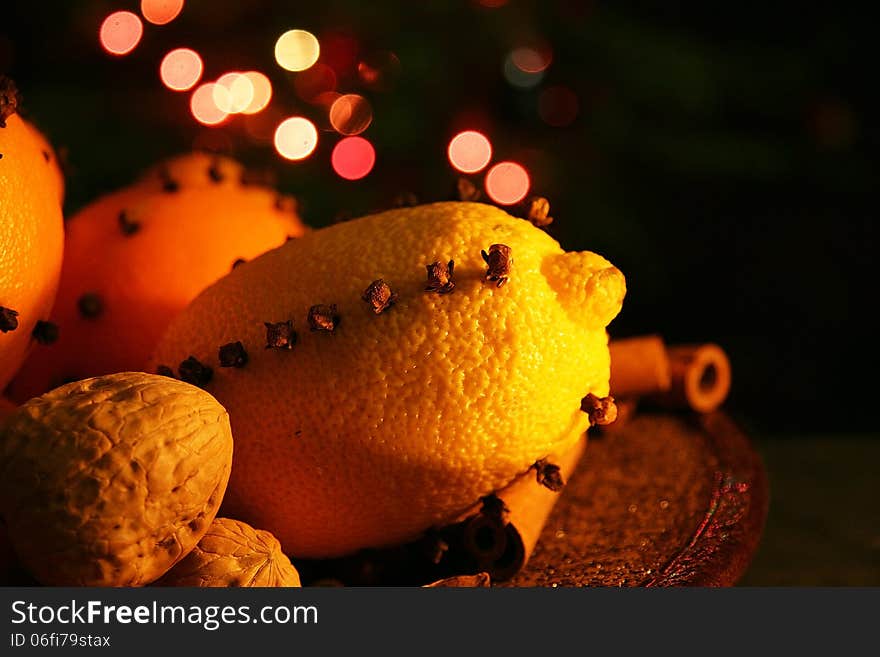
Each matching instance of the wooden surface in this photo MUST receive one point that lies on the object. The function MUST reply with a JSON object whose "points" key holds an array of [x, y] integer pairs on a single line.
{"points": [[664, 500]]}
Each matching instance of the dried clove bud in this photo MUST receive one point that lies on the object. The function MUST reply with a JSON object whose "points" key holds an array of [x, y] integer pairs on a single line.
{"points": [[238, 262], [440, 277], [379, 296], [46, 156], [126, 226], [10, 99], [323, 318], [538, 211], [193, 371], [214, 172], [8, 319], [494, 507], [549, 475], [285, 203], [601, 410], [467, 191], [45, 332], [90, 305], [233, 354], [280, 335], [164, 370], [404, 200], [499, 261], [169, 185]]}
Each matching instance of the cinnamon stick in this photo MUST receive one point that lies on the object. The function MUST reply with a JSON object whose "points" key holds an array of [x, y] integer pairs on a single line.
{"points": [[495, 537], [502, 546], [639, 366], [700, 376], [694, 377]]}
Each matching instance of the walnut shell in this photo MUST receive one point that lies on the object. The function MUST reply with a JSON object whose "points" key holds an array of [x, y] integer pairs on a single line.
{"points": [[111, 480], [233, 553]]}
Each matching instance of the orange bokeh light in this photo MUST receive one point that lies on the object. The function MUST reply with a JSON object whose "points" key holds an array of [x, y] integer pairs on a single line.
{"points": [[470, 151], [203, 106], [296, 138], [507, 183], [233, 92], [161, 12], [120, 32], [181, 69], [353, 158], [262, 92], [351, 114]]}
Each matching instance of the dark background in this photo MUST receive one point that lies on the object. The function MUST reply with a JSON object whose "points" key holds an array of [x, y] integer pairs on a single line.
{"points": [[721, 157]]}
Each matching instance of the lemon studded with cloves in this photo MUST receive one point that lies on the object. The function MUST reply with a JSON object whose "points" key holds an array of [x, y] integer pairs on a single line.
{"points": [[417, 403]]}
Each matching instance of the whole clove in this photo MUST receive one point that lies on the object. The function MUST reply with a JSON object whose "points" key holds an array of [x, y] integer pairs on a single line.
{"points": [[10, 99], [499, 262], [127, 226], [45, 333], [195, 372], [601, 410], [90, 305], [440, 277], [233, 354], [466, 191], [379, 295], [8, 319], [280, 335], [323, 318], [549, 475]]}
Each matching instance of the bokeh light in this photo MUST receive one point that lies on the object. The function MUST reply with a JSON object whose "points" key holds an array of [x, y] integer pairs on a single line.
{"points": [[351, 114], [525, 67], [379, 70], [315, 81], [120, 32], [297, 50], [558, 106], [203, 106], [295, 138], [531, 60], [160, 12], [262, 92], [233, 92], [470, 151], [507, 183], [181, 69], [353, 158]]}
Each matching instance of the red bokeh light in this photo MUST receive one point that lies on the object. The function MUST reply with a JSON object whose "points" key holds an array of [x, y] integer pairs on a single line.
{"points": [[353, 158]]}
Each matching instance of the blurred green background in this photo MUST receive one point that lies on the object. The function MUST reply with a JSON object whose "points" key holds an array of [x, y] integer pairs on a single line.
{"points": [[721, 156]]}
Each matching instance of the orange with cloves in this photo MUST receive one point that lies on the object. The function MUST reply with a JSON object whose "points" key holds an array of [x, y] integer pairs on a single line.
{"points": [[136, 257], [31, 233]]}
